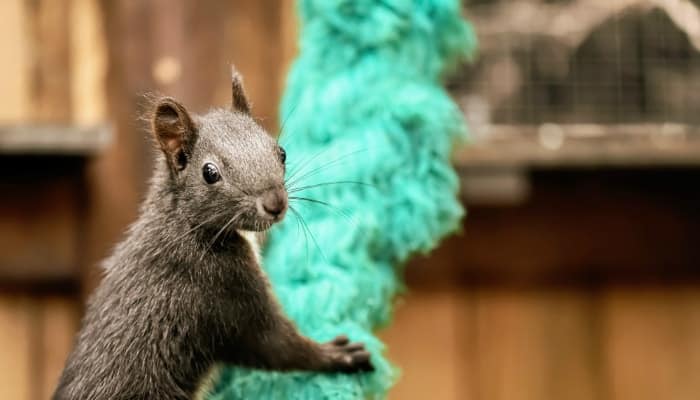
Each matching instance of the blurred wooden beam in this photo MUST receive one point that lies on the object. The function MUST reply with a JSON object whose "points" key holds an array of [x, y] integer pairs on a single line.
{"points": [[582, 145], [66, 140]]}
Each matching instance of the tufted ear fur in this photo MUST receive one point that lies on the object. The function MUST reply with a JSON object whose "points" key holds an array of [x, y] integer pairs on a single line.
{"points": [[174, 131], [239, 102]]}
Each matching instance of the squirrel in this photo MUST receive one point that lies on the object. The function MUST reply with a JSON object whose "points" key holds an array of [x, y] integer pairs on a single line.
{"points": [[184, 291]]}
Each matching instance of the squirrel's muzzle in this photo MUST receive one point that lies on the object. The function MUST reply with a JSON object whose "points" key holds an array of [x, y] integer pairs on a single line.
{"points": [[272, 204]]}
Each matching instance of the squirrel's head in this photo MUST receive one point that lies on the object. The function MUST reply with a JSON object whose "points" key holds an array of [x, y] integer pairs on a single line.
{"points": [[225, 171]]}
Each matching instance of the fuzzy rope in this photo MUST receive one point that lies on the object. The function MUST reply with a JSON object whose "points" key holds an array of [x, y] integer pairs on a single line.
{"points": [[363, 104]]}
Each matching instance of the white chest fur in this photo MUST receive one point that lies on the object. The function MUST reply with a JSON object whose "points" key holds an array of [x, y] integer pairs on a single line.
{"points": [[253, 241]]}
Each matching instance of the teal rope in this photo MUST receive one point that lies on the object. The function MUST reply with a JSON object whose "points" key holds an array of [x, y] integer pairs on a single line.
{"points": [[363, 103]]}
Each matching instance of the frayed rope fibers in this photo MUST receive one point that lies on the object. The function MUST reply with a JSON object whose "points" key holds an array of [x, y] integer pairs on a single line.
{"points": [[363, 104]]}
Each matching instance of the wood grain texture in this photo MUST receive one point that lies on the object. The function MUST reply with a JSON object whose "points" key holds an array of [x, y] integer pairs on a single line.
{"points": [[491, 343], [59, 320], [255, 43], [533, 345], [15, 343], [425, 341], [88, 63], [168, 46], [651, 342], [14, 73], [50, 87]]}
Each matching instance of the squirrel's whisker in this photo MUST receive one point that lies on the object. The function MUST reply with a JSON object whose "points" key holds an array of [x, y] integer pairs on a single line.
{"points": [[336, 209], [284, 123], [290, 181], [302, 188]]}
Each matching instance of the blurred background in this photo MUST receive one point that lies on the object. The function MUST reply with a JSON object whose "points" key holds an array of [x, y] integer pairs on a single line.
{"points": [[575, 276]]}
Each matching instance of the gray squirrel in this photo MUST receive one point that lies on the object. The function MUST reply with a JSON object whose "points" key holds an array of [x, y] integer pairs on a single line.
{"points": [[184, 291]]}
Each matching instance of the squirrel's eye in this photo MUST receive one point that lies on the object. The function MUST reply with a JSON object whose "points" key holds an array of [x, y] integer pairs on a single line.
{"points": [[210, 173], [283, 155]]}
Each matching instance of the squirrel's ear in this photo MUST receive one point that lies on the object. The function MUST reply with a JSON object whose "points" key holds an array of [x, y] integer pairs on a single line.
{"points": [[239, 102], [174, 131]]}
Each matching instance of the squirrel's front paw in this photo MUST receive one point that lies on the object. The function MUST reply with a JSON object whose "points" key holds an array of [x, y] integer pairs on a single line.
{"points": [[343, 356]]}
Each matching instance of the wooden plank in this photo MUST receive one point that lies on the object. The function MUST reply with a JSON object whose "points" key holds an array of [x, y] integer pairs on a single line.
{"points": [[424, 341], [168, 44], [253, 33], [49, 22], [60, 316], [14, 74], [15, 337], [651, 341], [534, 345], [206, 55], [88, 63]]}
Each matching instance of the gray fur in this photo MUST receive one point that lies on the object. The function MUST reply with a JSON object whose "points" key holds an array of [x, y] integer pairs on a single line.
{"points": [[179, 294]]}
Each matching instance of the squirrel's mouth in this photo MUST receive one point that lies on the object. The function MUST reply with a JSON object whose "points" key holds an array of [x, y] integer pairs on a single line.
{"points": [[260, 225], [255, 221]]}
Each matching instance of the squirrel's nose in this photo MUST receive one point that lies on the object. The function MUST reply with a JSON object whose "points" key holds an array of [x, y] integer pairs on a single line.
{"points": [[274, 203]]}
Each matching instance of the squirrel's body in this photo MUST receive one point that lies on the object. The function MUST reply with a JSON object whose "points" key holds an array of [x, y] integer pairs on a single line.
{"points": [[189, 317], [185, 291]]}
